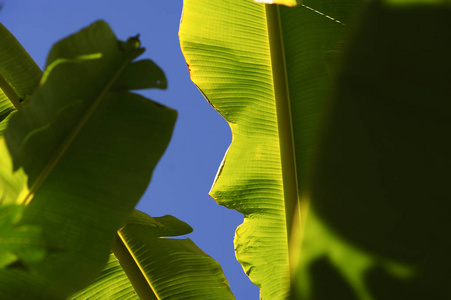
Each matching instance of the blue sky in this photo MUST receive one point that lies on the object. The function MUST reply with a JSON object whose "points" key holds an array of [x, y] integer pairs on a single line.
{"points": [[181, 182]]}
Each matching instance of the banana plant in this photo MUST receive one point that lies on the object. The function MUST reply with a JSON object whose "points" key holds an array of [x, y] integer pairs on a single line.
{"points": [[76, 156], [338, 123]]}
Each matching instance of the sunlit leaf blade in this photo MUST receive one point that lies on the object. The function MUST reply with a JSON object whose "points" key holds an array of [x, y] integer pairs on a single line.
{"points": [[174, 268], [6, 107], [160, 267], [18, 243], [112, 283], [17, 68], [13, 184], [88, 153], [283, 2], [378, 226], [229, 62], [252, 71]]}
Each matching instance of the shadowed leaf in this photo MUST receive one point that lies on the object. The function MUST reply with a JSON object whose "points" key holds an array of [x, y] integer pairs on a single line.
{"points": [[82, 156], [18, 242], [19, 75], [380, 181]]}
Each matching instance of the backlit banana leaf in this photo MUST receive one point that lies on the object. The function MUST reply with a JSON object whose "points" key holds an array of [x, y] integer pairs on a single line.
{"points": [[265, 68], [284, 2], [375, 202], [6, 108], [158, 267], [80, 154], [19, 75]]}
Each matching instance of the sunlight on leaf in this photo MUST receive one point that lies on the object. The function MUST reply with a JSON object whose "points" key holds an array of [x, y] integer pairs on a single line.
{"points": [[283, 2], [13, 184], [112, 283], [18, 243], [267, 75], [158, 267], [169, 262], [59, 61], [322, 243]]}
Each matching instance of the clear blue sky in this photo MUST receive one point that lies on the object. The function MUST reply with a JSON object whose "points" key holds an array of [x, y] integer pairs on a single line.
{"points": [[184, 176]]}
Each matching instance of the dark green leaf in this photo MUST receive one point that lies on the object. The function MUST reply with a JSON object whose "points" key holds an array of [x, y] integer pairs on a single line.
{"points": [[143, 74], [87, 152], [19, 75], [380, 197], [18, 242]]}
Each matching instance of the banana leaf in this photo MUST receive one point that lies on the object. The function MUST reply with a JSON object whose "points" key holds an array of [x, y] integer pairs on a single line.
{"points": [[284, 2], [265, 68], [80, 155], [112, 283], [348, 196], [6, 108], [18, 240], [378, 225], [158, 267], [19, 75]]}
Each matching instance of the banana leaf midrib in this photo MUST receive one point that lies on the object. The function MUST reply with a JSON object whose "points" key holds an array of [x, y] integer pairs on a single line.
{"points": [[66, 143], [9, 91], [132, 268], [19, 73], [284, 122]]}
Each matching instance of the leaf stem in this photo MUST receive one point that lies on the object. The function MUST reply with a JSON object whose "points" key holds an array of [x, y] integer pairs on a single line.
{"points": [[132, 269], [10, 92], [284, 119]]}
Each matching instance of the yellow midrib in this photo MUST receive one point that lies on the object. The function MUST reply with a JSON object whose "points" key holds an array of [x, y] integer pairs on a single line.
{"points": [[9, 92], [125, 253], [284, 119]]}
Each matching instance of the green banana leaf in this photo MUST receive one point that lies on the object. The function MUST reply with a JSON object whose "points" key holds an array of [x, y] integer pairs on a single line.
{"points": [[380, 197], [18, 240], [112, 283], [158, 267], [372, 220], [6, 108], [80, 154], [19, 75], [284, 2], [265, 68]]}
